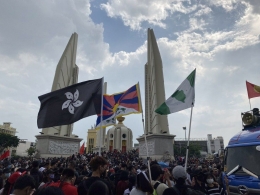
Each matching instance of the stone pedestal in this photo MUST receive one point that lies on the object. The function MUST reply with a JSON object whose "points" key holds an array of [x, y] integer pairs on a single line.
{"points": [[159, 146], [56, 146], [96, 149]]}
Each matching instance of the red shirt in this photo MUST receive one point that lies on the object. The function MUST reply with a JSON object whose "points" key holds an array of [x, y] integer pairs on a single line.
{"points": [[121, 187], [67, 188]]}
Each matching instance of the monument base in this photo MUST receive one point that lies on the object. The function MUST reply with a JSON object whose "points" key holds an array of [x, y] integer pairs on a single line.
{"points": [[56, 146], [160, 147], [96, 149]]}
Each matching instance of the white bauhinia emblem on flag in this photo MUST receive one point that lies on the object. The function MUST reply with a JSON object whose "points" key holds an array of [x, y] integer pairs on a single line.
{"points": [[72, 101]]}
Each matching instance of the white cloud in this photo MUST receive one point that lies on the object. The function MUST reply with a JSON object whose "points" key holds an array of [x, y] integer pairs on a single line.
{"points": [[134, 12], [228, 5], [203, 11], [18, 66], [208, 44], [196, 24], [249, 22]]}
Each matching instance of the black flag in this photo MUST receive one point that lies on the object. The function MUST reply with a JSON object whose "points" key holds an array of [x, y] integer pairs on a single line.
{"points": [[70, 104]]}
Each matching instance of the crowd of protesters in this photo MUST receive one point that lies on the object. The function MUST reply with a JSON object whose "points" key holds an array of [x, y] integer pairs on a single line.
{"points": [[112, 173]]}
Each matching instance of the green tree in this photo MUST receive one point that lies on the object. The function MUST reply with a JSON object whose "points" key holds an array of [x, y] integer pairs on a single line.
{"points": [[180, 149], [7, 140], [194, 150], [30, 151]]}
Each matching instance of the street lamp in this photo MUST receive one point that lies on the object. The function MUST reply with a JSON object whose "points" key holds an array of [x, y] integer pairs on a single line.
{"points": [[184, 128], [180, 148]]}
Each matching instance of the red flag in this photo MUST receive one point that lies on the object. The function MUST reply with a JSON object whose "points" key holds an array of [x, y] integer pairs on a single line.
{"points": [[6, 154], [252, 90], [81, 150]]}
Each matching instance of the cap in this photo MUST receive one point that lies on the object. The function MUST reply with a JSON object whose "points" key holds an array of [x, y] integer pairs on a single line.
{"points": [[179, 172], [14, 177]]}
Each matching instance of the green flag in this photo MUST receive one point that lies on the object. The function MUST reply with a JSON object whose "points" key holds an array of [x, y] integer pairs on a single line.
{"points": [[182, 98]]}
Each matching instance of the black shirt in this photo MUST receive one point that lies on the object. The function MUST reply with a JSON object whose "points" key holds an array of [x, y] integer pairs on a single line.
{"points": [[86, 183]]}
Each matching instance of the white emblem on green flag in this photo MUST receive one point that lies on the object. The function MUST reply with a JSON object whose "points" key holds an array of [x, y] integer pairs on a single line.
{"points": [[182, 98]]}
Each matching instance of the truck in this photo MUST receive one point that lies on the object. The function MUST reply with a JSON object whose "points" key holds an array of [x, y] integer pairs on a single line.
{"points": [[242, 156]]}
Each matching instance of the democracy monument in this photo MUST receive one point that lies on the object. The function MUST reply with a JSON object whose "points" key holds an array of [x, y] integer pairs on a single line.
{"points": [[59, 140]]}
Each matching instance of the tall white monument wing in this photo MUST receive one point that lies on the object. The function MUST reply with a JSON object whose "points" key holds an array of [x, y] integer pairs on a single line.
{"points": [[154, 88], [66, 74], [67, 71]]}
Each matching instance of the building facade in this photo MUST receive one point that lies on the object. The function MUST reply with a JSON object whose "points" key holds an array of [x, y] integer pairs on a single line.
{"points": [[91, 140], [207, 145], [7, 129], [181, 143], [119, 137], [214, 144], [23, 147]]}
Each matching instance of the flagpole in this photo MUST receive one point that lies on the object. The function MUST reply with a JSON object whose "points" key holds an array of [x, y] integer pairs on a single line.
{"points": [[101, 120], [249, 103], [147, 154], [188, 143], [145, 140]]}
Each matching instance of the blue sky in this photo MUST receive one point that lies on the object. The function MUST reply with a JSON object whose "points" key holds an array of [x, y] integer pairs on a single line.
{"points": [[221, 38]]}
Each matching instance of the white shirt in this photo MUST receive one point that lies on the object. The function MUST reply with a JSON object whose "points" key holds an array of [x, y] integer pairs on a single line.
{"points": [[188, 180], [135, 191], [127, 191]]}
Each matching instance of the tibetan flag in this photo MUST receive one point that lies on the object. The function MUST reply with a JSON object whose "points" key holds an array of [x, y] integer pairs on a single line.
{"points": [[81, 150], [182, 98], [109, 102], [120, 104], [252, 90], [70, 104]]}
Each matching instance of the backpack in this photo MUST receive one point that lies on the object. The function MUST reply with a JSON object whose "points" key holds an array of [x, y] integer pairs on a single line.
{"points": [[155, 187]]}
